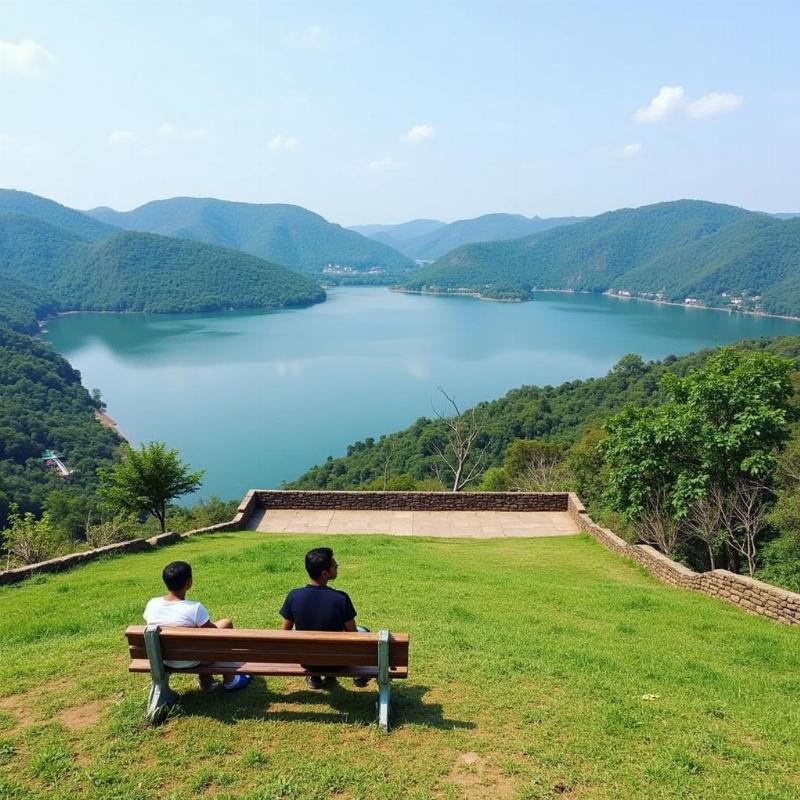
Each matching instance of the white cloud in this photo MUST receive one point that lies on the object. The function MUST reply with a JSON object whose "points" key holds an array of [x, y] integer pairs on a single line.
{"points": [[121, 137], [629, 150], [169, 130], [26, 58], [672, 101], [714, 103], [386, 164], [418, 134], [283, 143], [668, 102]]}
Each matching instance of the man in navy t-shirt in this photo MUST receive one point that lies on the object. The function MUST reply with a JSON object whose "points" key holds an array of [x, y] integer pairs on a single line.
{"points": [[318, 607]]}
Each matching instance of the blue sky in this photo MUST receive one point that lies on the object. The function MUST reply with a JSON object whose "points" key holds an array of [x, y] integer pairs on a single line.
{"points": [[382, 112]]}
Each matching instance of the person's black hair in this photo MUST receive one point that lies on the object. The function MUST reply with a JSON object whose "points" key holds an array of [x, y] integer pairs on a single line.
{"points": [[317, 561], [176, 575]]}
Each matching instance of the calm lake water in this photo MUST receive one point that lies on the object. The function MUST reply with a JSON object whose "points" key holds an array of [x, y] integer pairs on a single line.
{"points": [[257, 398]]}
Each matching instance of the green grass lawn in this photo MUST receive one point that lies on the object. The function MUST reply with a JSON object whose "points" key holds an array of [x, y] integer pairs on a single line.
{"points": [[539, 667]]}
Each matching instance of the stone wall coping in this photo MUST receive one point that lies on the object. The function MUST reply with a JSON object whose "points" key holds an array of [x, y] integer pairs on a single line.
{"points": [[657, 555], [753, 583]]}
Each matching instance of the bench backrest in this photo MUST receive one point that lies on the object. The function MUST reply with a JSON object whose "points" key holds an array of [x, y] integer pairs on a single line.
{"points": [[270, 646]]}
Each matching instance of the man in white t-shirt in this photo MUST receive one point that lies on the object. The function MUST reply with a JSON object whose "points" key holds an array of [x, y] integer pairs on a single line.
{"points": [[174, 610]]}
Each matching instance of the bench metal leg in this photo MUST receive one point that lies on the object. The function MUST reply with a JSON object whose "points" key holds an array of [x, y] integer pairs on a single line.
{"points": [[383, 681], [161, 696]]}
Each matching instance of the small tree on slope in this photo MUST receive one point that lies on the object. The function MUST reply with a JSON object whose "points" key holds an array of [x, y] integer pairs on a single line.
{"points": [[146, 480]]}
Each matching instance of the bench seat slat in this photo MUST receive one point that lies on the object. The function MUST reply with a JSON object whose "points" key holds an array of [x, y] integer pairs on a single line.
{"points": [[135, 634], [270, 646], [298, 655], [260, 668]]}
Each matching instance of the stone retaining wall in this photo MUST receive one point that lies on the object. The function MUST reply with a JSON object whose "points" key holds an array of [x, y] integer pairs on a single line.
{"points": [[74, 559], [412, 501], [760, 598]]}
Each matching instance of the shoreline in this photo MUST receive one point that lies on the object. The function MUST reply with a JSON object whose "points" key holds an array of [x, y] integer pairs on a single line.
{"points": [[478, 296], [109, 423]]}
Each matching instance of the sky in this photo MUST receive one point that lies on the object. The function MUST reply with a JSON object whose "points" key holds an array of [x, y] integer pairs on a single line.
{"points": [[379, 112]]}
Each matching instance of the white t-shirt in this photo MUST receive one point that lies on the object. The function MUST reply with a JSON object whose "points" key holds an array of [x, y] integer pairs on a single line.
{"points": [[177, 613]]}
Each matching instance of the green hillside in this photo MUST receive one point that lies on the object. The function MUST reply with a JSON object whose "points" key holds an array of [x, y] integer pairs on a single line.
{"points": [[21, 305], [143, 272], [43, 406], [681, 249], [76, 222], [285, 234], [490, 227], [393, 235]]}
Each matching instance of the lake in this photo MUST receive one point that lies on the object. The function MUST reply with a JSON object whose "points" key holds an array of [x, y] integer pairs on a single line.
{"points": [[257, 398]]}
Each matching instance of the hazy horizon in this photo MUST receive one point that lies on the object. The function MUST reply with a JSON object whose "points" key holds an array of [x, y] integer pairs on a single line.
{"points": [[369, 114]]}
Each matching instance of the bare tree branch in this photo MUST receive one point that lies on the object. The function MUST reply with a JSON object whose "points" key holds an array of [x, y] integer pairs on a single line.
{"points": [[460, 455]]}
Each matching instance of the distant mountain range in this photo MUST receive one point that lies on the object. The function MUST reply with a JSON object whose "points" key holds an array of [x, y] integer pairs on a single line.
{"points": [[428, 239], [56, 258], [284, 234], [683, 251], [397, 234]]}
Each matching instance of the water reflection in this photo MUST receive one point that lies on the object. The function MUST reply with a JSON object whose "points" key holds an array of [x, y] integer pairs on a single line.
{"points": [[256, 398]]}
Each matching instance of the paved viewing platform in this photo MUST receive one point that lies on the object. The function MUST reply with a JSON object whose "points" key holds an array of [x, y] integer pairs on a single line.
{"points": [[467, 524]]}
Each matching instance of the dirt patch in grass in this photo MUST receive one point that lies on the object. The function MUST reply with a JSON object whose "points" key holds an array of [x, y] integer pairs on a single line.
{"points": [[18, 706], [477, 778], [82, 716]]}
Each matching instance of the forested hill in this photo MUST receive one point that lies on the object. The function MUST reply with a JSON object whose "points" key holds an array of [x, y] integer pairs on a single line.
{"points": [[558, 413], [490, 227], [712, 253], [22, 305], [285, 234], [136, 272], [44, 407], [76, 222], [395, 234]]}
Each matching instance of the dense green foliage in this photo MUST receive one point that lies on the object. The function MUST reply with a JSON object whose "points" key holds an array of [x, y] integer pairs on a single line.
{"points": [[698, 467], [143, 272], [76, 222], [21, 305], [145, 480], [44, 407], [540, 669], [675, 250], [285, 234], [488, 228]]}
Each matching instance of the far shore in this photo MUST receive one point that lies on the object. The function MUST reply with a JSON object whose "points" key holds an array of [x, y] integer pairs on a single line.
{"points": [[478, 296]]}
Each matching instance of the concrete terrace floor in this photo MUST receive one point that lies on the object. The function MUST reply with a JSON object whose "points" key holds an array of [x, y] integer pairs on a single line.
{"points": [[466, 524]]}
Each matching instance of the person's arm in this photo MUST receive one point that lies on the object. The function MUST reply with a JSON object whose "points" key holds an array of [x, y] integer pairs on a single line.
{"points": [[349, 614], [286, 624]]}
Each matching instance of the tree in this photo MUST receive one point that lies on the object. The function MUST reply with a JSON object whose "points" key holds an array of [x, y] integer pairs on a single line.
{"points": [[534, 465], [717, 438], [461, 453], [145, 480]]}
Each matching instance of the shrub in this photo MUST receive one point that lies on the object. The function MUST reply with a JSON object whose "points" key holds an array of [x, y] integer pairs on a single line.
{"points": [[29, 541]]}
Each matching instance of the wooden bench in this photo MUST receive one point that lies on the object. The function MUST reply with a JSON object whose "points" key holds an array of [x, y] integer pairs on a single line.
{"points": [[382, 656]]}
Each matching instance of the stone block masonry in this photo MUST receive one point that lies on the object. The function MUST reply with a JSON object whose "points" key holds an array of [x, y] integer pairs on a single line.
{"points": [[412, 501], [752, 595]]}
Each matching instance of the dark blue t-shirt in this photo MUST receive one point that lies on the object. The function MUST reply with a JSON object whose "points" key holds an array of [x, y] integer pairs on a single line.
{"points": [[318, 608]]}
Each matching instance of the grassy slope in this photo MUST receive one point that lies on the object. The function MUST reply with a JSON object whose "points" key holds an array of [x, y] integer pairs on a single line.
{"points": [[535, 655]]}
